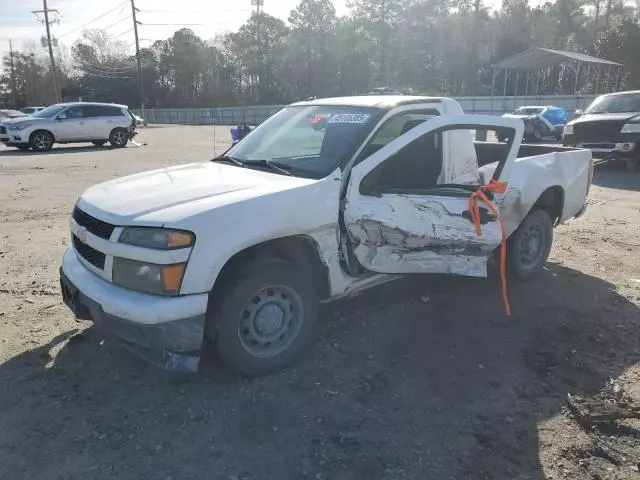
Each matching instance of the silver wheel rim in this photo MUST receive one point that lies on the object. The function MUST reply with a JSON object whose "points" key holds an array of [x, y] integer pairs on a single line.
{"points": [[119, 138], [532, 246], [41, 142], [270, 321]]}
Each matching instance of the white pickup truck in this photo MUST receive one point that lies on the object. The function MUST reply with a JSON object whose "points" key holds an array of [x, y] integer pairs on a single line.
{"points": [[234, 255]]}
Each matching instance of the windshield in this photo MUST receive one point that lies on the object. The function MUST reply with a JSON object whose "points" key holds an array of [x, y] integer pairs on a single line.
{"points": [[49, 111], [528, 111], [615, 104], [312, 140]]}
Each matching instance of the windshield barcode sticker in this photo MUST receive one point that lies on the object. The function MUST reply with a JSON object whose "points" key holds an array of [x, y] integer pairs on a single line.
{"points": [[349, 118]]}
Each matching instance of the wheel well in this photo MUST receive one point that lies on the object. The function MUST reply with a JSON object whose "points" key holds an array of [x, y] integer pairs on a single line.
{"points": [[552, 202], [299, 249], [42, 130]]}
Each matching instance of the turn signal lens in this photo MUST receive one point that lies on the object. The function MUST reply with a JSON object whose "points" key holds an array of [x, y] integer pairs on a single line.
{"points": [[172, 277]]}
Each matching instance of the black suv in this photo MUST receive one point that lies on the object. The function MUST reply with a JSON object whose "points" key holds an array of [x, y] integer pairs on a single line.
{"points": [[609, 127]]}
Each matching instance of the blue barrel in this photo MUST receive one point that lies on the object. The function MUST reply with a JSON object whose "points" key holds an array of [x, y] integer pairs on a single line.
{"points": [[234, 134]]}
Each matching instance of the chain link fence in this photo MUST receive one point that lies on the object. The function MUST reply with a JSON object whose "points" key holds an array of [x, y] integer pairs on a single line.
{"points": [[253, 115]]}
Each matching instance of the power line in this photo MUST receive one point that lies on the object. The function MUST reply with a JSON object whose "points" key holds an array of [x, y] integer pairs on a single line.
{"points": [[174, 24], [123, 33], [115, 23], [91, 21], [229, 10]]}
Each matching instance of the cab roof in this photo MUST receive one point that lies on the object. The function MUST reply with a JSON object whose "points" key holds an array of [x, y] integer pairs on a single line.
{"points": [[97, 104], [377, 101]]}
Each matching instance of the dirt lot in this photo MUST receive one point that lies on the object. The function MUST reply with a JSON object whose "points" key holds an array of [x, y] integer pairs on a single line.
{"points": [[424, 378]]}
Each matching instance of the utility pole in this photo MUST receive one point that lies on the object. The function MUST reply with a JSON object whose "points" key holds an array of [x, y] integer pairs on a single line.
{"points": [[258, 4], [47, 23], [134, 11], [471, 82], [14, 93]]}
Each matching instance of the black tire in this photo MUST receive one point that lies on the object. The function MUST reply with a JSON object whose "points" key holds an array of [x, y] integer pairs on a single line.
{"points": [[529, 246], [99, 143], [266, 295], [41, 141], [118, 138]]}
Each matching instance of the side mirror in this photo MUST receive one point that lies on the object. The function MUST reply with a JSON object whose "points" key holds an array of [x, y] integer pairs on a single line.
{"points": [[61, 117], [578, 113]]}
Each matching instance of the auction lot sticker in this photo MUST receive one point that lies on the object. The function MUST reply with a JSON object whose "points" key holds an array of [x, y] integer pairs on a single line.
{"points": [[350, 118]]}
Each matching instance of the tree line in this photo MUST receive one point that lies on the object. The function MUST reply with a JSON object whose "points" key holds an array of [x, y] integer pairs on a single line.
{"points": [[437, 47]]}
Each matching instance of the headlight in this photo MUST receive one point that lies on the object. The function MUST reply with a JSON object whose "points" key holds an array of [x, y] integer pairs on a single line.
{"points": [[157, 238], [147, 277], [22, 126], [568, 130], [631, 128]]}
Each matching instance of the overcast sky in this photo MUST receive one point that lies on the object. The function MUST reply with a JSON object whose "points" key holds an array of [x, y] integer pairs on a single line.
{"points": [[215, 16]]}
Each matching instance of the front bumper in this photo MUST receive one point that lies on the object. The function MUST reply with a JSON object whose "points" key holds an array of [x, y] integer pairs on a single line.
{"points": [[166, 331], [14, 138], [625, 146]]}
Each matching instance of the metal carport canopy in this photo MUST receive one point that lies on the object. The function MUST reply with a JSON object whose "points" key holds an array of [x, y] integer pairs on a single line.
{"points": [[538, 58]]}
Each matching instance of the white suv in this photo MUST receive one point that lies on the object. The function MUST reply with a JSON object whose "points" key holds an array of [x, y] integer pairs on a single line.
{"points": [[97, 123]]}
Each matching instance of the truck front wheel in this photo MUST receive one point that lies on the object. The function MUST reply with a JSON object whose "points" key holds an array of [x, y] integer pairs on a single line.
{"points": [[530, 245], [265, 317]]}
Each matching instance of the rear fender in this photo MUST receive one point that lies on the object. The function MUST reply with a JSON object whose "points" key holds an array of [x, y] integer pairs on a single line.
{"points": [[531, 177]]}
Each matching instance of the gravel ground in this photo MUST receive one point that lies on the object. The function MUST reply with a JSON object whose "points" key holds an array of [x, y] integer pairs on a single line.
{"points": [[424, 378]]}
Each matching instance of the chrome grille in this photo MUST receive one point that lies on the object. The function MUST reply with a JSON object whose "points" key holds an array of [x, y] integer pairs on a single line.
{"points": [[597, 132]]}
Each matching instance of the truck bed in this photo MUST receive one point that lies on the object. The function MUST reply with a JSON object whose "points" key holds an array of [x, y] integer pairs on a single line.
{"points": [[538, 168], [489, 152]]}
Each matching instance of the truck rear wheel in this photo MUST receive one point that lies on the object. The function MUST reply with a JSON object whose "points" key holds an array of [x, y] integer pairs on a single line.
{"points": [[266, 317], [530, 245]]}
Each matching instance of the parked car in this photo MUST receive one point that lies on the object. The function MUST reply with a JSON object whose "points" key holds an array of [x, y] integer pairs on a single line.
{"points": [[541, 121], [97, 123], [609, 127], [8, 114], [31, 110], [384, 91], [234, 254]]}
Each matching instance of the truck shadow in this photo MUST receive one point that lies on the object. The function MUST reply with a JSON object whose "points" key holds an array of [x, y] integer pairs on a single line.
{"points": [[422, 378], [615, 176]]}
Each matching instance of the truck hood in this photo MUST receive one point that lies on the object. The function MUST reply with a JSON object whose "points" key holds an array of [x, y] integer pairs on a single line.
{"points": [[168, 194], [24, 119], [604, 117]]}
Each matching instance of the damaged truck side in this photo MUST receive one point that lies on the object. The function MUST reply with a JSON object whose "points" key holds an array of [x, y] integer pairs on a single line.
{"points": [[233, 256]]}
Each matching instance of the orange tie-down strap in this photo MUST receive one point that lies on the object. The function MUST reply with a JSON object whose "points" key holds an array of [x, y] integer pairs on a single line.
{"points": [[495, 187]]}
